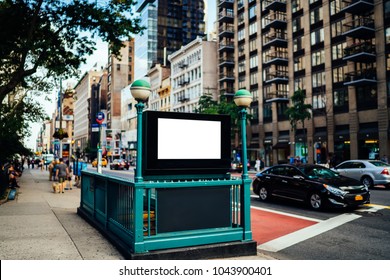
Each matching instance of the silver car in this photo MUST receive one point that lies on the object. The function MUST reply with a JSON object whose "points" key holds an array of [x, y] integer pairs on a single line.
{"points": [[369, 172]]}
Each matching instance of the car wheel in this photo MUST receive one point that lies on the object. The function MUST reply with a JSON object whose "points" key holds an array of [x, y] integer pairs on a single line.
{"points": [[315, 201], [367, 181], [263, 194]]}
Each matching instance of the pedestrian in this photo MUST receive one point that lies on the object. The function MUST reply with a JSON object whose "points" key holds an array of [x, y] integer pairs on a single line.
{"points": [[262, 164], [257, 165], [32, 163], [28, 162], [51, 166], [69, 179], [62, 173]]}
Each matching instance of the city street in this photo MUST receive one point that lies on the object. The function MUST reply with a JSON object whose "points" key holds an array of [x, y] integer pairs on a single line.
{"points": [[286, 230]]}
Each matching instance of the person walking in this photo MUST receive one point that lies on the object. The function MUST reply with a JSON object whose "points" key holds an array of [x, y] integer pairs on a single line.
{"points": [[257, 165], [62, 172]]}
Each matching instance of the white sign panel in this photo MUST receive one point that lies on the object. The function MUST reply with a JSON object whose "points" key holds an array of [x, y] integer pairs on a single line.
{"points": [[188, 139]]}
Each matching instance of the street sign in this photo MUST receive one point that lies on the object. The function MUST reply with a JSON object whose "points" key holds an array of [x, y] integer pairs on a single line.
{"points": [[100, 117]]}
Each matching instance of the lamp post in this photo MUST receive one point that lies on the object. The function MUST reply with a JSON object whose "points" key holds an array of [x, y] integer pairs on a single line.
{"points": [[140, 90], [243, 99]]}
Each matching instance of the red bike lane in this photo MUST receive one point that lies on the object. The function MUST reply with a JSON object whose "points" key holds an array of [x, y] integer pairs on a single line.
{"points": [[267, 225]]}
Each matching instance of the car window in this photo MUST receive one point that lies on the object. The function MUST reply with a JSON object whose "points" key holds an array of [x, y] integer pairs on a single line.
{"points": [[358, 165], [291, 172], [379, 163], [345, 165], [278, 170], [315, 172]]}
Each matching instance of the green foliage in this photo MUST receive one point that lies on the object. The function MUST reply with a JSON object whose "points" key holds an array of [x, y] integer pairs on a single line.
{"points": [[42, 39], [224, 107], [299, 111], [14, 117]]}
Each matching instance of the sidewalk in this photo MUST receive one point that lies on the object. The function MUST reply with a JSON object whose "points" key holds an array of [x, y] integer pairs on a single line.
{"points": [[42, 225]]}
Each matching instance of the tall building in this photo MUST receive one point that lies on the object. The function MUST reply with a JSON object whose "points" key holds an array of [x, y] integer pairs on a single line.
{"points": [[333, 50], [169, 25], [193, 74]]}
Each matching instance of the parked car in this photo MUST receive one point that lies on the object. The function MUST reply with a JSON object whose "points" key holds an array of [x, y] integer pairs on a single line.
{"points": [[369, 172], [315, 185], [120, 164], [236, 166], [104, 162]]}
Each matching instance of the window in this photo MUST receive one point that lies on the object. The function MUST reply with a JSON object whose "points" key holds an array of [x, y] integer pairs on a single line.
{"points": [[253, 78], [255, 94], [296, 5], [337, 28], [338, 51], [252, 11], [316, 15], [318, 58], [253, 61], [318, 79], [317, 36], [241, 66], [252, 45], [241, 82], [340, 98], [388, 35], [241, 34], [267, 112], [299, 83], [319, 101], [299, 63], [253, 28], [298, 44], [335, 6], [338, 74], [297, 24]]}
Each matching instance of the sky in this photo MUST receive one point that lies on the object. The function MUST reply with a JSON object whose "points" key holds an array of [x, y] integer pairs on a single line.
{"points": [[99, 57]]}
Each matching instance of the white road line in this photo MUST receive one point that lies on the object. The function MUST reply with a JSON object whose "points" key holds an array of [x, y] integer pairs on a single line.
{"points": [[306, 233], [287, 214]]}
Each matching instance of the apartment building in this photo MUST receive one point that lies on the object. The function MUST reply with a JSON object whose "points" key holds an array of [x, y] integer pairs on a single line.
{"points": [[193, 73], [333, 50]]}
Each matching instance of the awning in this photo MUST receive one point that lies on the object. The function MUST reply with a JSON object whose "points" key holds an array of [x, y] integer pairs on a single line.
{"points": [[281, 145]]}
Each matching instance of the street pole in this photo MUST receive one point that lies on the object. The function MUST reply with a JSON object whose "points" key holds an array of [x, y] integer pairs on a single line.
{"points": [[138, 175], [242, 114], [99, 160]]}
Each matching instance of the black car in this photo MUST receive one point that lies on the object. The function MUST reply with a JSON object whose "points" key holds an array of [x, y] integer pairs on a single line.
{"points": [[315, 185]]}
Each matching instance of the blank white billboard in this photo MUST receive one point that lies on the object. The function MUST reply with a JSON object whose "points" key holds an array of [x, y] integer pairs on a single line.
{"points": [[188, 139]]}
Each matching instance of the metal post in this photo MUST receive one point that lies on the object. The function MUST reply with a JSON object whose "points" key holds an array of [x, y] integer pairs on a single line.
{"points": [[138, 175], [242, 113], [99, 155]]}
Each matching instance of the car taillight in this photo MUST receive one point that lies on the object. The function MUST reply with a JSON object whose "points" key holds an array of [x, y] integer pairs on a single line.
{"points": [[385, 172]]}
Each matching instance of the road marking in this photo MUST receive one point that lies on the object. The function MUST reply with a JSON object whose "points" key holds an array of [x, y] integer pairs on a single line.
{"points": [[287, 214], [306, 233], [372, 208]]}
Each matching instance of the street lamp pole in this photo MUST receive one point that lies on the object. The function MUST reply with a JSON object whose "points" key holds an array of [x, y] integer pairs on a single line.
{"points": [[243, 99], [140, 90]]}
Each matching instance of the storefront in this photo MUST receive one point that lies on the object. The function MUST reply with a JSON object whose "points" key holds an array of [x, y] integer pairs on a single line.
{"points": [[320, 145], [342, 145], [301, 145], [268, 157], [282, 147], [368, 141]]}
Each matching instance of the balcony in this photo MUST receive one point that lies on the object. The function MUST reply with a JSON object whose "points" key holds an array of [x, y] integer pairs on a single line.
{"points": [[275, 5], [276, 58], [360, 52], [183, 82], [275, 20], [361, 78], [226, 46], [361, 28], [183, 65], [277, 96], [183, 99], [226, 31], [357, 6], [226, 61], [227, 76], [275, 40], [277, 77], [226, 16], [229, 91], [226, 3]]}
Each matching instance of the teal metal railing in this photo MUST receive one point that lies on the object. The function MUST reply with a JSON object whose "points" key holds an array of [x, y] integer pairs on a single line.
{"points": [[130, 211]]}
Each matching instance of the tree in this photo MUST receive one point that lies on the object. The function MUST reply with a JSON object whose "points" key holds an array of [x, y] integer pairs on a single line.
{"points": [[299, 112], [42, 39]]}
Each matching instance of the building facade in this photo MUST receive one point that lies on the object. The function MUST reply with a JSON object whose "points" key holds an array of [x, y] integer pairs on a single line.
{"points": [[333, 50], [169, 25], [193, 73]]}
